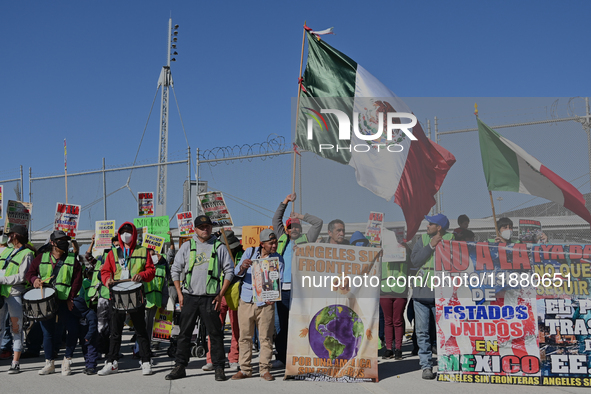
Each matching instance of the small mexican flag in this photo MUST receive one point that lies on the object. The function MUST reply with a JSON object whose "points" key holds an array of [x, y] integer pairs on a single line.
{"points": [[411, 171], [507, 167]]}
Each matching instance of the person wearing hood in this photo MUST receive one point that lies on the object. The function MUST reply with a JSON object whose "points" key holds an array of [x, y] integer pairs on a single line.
{"points": [[132, 262], [62, 270]]}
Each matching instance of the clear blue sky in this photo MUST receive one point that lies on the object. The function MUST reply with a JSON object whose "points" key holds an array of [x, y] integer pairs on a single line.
{"points": [[88, 70]]}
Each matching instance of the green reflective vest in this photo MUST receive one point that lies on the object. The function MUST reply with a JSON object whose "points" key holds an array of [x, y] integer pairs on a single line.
{"points": [[214, 276], [153, 289], [63, 278], [96, 283], [393, 270], [283, 241], [428, 268], [136, 263], [13, 266], [84, 291]]}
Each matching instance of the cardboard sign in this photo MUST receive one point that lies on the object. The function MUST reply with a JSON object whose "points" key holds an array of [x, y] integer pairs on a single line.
{"points": [[373, 231], [185, 224], [145, 202], [162, 325], [17, 213], [251, 235], [153, 242], [66, 218], [104, 231], [157, 225], [530, 231], [215, 208], [266, 284]]}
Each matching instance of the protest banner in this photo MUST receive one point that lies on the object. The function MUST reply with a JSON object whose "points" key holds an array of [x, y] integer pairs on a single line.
{"points": [[66, 219], [373, 230], [185, 224], [215, 208], [162, 330], [153, 242], [145, 202], [1, 203], [530, 231], [157, 225], [104, 231], [251, 235], [513, 314], [333, 321], [265, 280], [17, 213]]}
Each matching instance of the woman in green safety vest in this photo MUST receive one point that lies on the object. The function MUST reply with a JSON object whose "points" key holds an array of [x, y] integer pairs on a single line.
{"points": [[14, 263]]}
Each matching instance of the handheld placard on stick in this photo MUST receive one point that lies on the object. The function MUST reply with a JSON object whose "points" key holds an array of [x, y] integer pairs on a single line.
{"points": [[492, 203]]}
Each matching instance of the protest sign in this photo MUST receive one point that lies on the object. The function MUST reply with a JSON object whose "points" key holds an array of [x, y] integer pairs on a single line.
{"points": [[393, 251], [145, 202], [1, 202], [265, 279], [104, 231], [215, 208], [157, 225], [530, 231], [513, 314], [251, 235], [66, 219], [17, 213], [333, 321], [185, 224], [373, 231], [153, 242], [162, 325]]}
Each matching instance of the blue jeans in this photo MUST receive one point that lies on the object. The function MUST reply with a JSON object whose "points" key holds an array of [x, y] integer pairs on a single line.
{"points": [[13, 305], [422, 315], [52, 332]]}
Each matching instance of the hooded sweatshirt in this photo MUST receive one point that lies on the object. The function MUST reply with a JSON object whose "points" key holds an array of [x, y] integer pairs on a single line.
{"points": [[110, 267]]}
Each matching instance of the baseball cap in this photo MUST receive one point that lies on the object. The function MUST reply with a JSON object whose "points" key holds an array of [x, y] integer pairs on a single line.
{"points": [[292, 221], [202, 219], [57, 234], [439, 219], [267, 235]]}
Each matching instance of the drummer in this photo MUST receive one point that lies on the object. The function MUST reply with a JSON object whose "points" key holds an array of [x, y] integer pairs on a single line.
{"points": [[14, 263], [61, 270], [132, 262]]}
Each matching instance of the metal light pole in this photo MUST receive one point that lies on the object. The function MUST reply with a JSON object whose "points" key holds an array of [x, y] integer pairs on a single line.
{"points": [[164, 81]]}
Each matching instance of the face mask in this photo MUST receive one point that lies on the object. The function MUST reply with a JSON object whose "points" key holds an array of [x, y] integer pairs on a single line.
{"points": [[4, 239], [9, 243], [506, 234], [155, 259], [126, 237], [63, 245]]}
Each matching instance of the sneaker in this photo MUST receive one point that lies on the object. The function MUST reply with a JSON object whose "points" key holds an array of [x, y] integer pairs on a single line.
{"points": [[48, 368], [234, 367], [109, 368], [177, 372], [5, 355], [398, 354], [14, 368], [89, 371], [67, 366], [277, 364], [146, 368], [220, 375], [388, 354], [208, 367], [428, 374]]}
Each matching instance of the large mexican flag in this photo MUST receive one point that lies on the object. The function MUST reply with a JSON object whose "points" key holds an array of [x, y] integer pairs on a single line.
{"points": [[410, 171]]}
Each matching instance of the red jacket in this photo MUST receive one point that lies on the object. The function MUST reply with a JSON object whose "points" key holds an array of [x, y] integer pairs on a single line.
{"points": [[110, 267]]}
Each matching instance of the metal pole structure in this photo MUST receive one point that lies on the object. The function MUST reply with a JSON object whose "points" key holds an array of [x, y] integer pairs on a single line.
{"points": [[198, 212], [438, 195], [587, 127], [22, 196], [30, 184], [188, 207], [165, 80], [104, 191]]}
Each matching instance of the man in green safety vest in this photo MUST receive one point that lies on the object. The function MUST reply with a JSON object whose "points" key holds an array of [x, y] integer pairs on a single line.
{"points": [[423, 258], [128, 261], [204, 269], [289, 235], [62, 271]]}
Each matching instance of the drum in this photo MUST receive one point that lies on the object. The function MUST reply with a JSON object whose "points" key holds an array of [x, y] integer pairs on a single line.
{"points": [[36, 307], [128, 296]]}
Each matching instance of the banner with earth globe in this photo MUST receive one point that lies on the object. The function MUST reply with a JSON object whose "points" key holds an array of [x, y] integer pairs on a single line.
{"points": [[333, 323]]}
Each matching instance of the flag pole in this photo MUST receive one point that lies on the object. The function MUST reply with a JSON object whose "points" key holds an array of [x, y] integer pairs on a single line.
{"points": [[66, 169], [492, 203], [297, 114]]}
